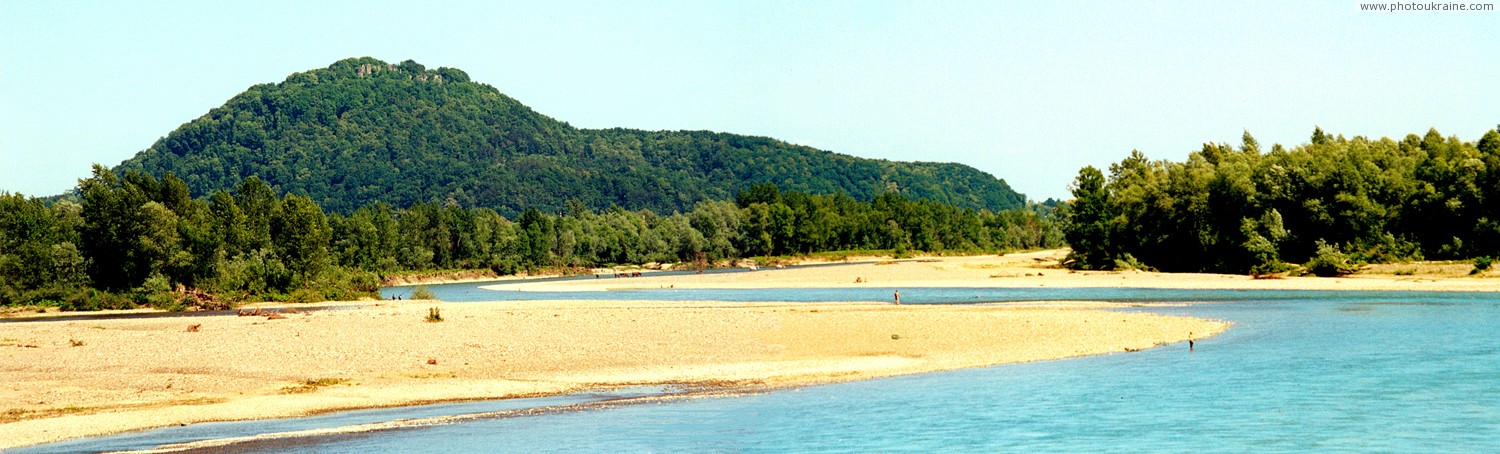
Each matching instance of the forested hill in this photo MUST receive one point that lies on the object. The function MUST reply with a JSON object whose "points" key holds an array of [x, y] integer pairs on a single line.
{"points": [[363, 130]]}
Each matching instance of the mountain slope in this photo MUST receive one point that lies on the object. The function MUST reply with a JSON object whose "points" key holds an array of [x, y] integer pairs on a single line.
{"points": [[363, 130]]}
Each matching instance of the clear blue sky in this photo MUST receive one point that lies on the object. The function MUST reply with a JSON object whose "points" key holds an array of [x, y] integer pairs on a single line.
{"points": [[1029, 92]]}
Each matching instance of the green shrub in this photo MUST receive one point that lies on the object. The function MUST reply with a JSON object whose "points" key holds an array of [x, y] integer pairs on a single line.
{"points": [[258, 274], [1330, 262], [1127, 262], [346, 284], [363, 281], [1387, 248], [902, 251], [1271, 268], [434, 315], [421, 292], [93, 300], [313, 385], [304, 295], [1481, 265], [505, 267], [157, 292], [66, 297]]}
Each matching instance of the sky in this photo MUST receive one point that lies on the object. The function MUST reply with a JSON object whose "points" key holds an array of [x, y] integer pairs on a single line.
{"points": [[1027, 91]]}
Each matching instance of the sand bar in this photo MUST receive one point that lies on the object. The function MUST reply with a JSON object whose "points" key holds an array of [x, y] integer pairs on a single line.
{"points": [[1034, 269], [72, 378]]}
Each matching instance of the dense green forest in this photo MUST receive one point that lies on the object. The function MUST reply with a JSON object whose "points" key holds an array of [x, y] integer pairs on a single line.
{"points": [[1330, 204], [137, 240], [363, 131]]}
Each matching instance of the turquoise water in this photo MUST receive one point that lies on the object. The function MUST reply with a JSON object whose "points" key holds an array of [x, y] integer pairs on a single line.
{"points": [[471, 292], [1300, 371]]}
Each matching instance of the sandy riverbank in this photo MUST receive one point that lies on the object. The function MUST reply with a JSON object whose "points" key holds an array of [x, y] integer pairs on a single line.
{"points": [[72, 378], [1034, 269]]}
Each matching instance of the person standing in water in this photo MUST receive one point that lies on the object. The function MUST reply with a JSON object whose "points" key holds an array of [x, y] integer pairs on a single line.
{"points": [[898, 297], [1190, 342]]}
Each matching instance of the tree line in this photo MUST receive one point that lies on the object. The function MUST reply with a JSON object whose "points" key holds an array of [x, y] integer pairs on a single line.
{"points": [[133, 240], [1330, 204]]}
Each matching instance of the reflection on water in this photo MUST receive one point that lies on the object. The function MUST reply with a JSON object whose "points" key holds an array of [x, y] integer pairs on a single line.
{"points": [[1300, 371]]}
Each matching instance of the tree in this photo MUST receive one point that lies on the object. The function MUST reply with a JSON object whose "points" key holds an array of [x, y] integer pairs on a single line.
{"points": [[1248, 144], [1319, 137], [257, 200], [113, 223], [300, 235], [160, 244], [230, 223], [1087, 225], [202, 241], [37, 246], [757, 230], [719, 224], [538, 231], [767, 193]]}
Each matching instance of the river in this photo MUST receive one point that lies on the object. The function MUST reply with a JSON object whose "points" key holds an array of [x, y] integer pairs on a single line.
{"points": [[1299, 371]]}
